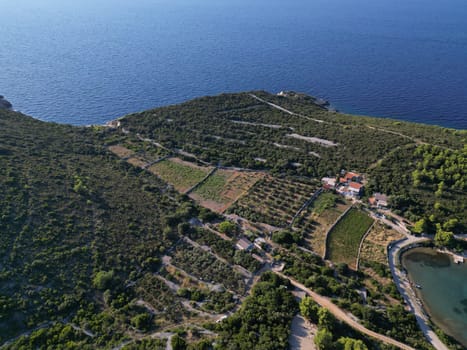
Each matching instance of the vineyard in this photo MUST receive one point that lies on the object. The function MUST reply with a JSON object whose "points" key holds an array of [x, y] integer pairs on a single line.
{"points": [[274, 201], [344, 239], [223, 188]]}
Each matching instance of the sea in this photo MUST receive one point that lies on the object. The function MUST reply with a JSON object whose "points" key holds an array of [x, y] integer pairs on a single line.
{"points": [[90, 61]]}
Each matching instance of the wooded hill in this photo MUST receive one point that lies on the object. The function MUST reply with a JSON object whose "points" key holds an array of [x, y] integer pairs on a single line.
{"points": [[98, 252], [423, 167]]}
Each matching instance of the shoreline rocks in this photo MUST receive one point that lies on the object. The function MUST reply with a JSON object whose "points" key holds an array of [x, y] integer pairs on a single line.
{"points": [[5, 104]]}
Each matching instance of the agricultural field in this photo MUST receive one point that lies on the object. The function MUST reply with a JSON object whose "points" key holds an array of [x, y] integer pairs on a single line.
{"points": [[223, 188], [224, 249], [344, 239], [134, 145], [374, 246], [157, 296], [137, 153], [121, 151], [206, 267], [182, 175], [318, 218], [274, 201]]}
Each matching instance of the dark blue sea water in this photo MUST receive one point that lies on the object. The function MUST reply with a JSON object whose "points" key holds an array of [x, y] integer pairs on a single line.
{"points": [[89, 61]]}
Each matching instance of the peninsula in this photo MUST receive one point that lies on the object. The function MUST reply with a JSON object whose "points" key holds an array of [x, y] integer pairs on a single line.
{"points": [[221, 222]]}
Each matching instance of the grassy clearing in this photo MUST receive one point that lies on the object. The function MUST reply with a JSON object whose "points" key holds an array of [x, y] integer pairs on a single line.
{"points": [[345, 237], [182, 175], [326, 200], [212, 188], [121, 151], [223, 188], [374, 246], [137, 161]]}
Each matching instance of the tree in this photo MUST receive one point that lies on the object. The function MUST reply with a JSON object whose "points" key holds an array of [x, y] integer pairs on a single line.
{"points": [[323, 339], [178, 343], [103, 279], [141, 321], [346, 343], [228, 227], [451, 225], [309, 309], [325, 319], [419, 227], [285, 237], [443, 238]]}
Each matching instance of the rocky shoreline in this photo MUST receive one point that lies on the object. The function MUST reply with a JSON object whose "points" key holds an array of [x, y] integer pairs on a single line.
{"points": [[5, 104]]}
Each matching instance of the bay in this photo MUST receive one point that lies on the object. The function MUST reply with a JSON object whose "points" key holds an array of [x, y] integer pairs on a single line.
{"points": [[443, 289]]}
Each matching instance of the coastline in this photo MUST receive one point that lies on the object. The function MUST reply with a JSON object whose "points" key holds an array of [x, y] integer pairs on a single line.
{"points": [[395, 250], [439, 320]]}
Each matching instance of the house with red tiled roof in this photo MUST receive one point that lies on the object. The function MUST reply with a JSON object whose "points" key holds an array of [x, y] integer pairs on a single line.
{"points": [[356, 188]]}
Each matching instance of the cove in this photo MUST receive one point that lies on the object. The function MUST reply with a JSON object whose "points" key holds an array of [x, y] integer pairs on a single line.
{"points": [[443, 289]]}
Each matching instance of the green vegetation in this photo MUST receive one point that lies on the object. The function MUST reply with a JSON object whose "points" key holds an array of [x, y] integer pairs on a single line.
{"points": [[236, 129], [97, 252], [328, 328], [181, 175], [264, 320], [386, 318], [212, 188], [345, 237], [223, 248], [228, 228], [207, 268], [274, 201], [324, 202], [79, 230], [427, 186]]}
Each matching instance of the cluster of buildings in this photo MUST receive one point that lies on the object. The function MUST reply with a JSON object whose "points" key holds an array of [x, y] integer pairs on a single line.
{"points": [[352, 185], [349, 184]]}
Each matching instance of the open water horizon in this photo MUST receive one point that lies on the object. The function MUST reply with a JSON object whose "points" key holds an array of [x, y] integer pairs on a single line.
{"points": [[88, 62]]}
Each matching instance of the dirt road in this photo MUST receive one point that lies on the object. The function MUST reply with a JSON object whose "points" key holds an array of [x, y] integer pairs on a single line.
{"points": [[343, 316]]}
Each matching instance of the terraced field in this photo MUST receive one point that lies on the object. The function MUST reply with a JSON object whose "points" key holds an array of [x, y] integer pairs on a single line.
{"points": [[316, 221], [344, 239], [206, 267], [138, 153], [180, 174], [223, 188], [274, 201]]}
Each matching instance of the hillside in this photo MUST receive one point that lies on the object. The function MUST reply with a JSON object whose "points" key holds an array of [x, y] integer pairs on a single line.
{"points": [[293, 135], [138, 233]]}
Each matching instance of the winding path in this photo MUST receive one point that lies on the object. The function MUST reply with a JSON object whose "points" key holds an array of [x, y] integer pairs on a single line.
{"points": [[343, 316]]}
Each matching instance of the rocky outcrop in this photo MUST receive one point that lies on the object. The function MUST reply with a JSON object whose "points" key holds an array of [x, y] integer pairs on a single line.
{"points": [[4, 104]]}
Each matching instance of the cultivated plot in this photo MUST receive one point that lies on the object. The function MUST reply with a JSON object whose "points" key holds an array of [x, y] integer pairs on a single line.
{"points": [[274, 201], [315, 222], [344, 239], [223, 188], [182, 175]]}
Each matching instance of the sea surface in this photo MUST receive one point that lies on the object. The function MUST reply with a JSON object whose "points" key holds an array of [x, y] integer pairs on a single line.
{"points": [[89, 61], [443, 289]]}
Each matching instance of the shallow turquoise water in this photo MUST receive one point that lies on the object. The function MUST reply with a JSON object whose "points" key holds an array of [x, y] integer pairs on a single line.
{"points": [[90, 61], [444, 289]]}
